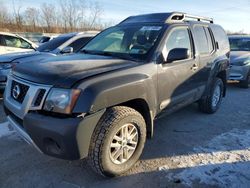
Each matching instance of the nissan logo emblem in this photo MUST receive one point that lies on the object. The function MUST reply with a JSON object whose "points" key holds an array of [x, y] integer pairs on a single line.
{"points": [[16, 91]]}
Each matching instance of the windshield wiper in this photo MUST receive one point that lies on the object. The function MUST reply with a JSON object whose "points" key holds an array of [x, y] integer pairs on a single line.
{"points": [[111, 54]]}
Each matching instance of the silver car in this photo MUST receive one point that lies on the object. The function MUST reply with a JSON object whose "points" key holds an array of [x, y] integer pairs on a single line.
{"points": [[63, 44], [240, 60]]}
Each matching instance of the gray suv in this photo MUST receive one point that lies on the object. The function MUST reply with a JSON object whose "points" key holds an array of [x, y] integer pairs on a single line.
{"points": [[101, 103], [240, 60]]}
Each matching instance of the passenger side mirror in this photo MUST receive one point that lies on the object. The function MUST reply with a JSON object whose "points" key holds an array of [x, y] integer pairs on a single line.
{"points": [[177, 54], [67, 50]]}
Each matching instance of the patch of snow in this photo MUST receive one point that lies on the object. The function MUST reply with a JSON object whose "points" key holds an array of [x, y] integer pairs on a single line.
{"points": [[224, 162], [4, 129]]}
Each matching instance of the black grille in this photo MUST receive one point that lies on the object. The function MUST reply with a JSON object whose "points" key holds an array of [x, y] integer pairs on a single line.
{"points": [[40, 97], [23, 91]]}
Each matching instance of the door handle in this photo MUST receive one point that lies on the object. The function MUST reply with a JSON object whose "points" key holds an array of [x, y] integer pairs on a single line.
{"points": [[194, 67]]}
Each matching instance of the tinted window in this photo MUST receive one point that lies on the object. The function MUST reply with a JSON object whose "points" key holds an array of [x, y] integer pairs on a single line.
{"points": [[240, 44], [179, 38], [16, 42], [44, 39], [209, 39], [203, 44], [53, 44], [221, 38], [1, 41], [79, 43]]}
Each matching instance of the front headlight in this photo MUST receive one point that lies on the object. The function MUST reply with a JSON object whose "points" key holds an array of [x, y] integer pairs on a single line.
{"points": [[5, 66], [61, 100]]}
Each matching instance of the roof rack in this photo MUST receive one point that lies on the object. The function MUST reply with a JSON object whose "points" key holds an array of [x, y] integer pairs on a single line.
{"points": [[180, 17]]}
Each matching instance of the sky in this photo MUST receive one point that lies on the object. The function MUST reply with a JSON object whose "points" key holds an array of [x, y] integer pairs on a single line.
{"points": [[233, 15]]}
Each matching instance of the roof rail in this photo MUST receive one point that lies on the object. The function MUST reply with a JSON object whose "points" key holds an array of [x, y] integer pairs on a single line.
{"points": [[180, 17]]}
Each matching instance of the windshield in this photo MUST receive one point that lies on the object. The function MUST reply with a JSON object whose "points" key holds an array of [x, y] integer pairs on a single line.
{"points": [[240, 44], [53, 44], [125, 41]]}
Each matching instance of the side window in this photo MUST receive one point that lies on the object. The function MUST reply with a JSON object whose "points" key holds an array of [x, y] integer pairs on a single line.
{"points": [[25, 44], [16, 42], [209, 39], [178, 38], [1, 41], [79, 43], [205, 43], [221, 38]]}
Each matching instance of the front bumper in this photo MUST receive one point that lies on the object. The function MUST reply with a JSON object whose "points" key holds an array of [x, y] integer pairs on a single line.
{"points": [[65, 138], [239, 73]]}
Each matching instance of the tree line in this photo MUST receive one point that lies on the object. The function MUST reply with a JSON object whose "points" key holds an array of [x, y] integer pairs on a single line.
{"points": [[60, 17]]}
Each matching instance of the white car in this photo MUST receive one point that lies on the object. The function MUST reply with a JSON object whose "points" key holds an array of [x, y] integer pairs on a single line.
{"points": [[10, 43]]}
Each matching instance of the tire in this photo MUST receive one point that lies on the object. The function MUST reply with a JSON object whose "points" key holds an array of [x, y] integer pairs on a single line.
{"points": [[100, 152], [207, 104], [245, 83]]}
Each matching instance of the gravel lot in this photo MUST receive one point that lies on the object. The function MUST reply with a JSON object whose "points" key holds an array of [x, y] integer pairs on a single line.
{"points": [[190, 149]]}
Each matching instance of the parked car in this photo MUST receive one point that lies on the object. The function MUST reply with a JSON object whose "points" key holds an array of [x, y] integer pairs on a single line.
{"points": [[102, 104], [45, 39], [240, 60], [10, 43], [63, 44]]}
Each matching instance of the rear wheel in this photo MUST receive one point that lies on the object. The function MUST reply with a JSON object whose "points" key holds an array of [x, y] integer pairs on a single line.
{"points": [[245, 83], [211, 103], [118, 141]]}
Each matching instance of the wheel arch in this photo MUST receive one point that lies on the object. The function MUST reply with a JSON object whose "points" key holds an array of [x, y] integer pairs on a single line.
{"points": [[142, 107]]}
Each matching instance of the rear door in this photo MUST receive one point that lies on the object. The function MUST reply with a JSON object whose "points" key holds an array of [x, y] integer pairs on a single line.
{"points": [[177, 81], [205, 51]]}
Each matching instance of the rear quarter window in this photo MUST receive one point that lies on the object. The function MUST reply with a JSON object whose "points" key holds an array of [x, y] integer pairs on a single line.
{"points": [[221, 38]]}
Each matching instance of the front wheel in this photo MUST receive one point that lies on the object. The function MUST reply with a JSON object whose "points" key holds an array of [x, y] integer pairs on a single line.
{"points": [[211, 103], [118, 141]]}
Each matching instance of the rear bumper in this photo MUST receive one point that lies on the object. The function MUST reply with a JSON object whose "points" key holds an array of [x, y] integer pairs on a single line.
{"points": [[67, 138], [239, 73]]}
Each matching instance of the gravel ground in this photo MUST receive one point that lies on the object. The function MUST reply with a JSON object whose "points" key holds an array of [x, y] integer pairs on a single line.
{"points": [[189, 149]]}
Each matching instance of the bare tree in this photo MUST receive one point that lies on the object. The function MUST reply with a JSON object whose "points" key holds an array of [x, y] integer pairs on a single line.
{"points": [[72, 12], [31, 16], [96, 12], [66, 15], [48, 14], [3, 14], [17, 6]]}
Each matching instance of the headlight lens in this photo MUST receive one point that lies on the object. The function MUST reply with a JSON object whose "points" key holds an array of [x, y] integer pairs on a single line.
{"points": [[61, 100], [5, 65]]}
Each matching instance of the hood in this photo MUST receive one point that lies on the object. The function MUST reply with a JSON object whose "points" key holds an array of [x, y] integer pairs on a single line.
{"points": [[65, 71], [17, 57], [239, 56]]}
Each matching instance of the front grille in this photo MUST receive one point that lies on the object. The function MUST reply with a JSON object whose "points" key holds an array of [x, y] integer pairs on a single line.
{"points": [[40, 97], [23, 91]]}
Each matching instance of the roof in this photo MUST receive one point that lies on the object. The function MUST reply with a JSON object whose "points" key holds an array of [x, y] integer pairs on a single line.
{"points": [[169, 17], [9, 34]]}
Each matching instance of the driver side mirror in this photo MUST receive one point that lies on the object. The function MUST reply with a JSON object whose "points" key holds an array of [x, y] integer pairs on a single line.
{"points": [[178, 54], [67, 50]]}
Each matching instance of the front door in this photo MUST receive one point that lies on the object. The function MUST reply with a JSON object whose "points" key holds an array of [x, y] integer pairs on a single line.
{"points": [[177, 80]]}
